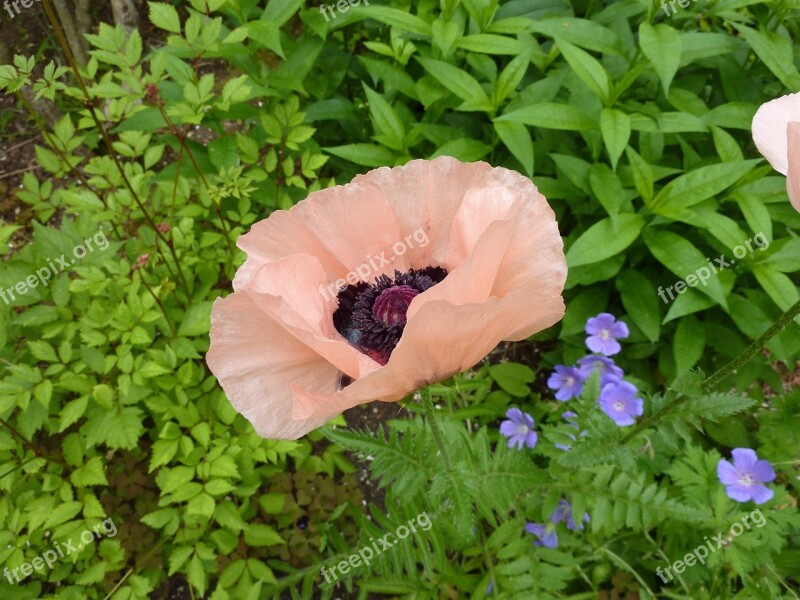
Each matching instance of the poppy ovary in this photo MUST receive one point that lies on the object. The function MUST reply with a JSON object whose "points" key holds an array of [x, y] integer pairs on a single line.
{"points": [[392, 304]]}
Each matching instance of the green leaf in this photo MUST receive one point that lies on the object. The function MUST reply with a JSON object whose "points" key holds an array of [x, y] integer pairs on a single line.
{"points": [[445, 35], [89, 474], [551, 115], [178, 558], [280, 11], [386, 120], [517, 139], [159, 518], [488, 43], [223, 152], [607, 187], [640, 299], [117, 428], [367, 155], [587, 68], [605, 239], [161, 453], [196, 575], [43, 351], [72, 411], [691, 301], [461, 83], [267, 34], [197, 320], [513, 378], [397, 18], [778, 286], [616, 129], [775, 51], [713, 406], [202, 505], [228, 516], [726, 145], [581, 32], [642, 175], [262, 535], [700, 184], [688, 343], [164, 16], [662, 47], [62, 513], [73, 451], [510, 78], [682, 258], [464, 149]]}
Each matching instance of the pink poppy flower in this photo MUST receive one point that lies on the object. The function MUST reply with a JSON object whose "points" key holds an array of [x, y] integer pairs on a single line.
{"points": [[776, 132], [371, 290]]}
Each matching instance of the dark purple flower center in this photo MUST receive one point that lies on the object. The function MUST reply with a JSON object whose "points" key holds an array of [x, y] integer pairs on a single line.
{"points": [[392, 304], [372, 316]]}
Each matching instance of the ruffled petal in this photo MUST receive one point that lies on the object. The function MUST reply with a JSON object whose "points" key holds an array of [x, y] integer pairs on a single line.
{"points": [[343, 227], [426, 194], [287, 290], [438, 342], [769, 129], [256, 362], [793, 166]]}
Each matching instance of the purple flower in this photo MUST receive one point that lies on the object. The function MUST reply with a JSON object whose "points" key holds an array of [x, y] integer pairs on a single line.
{"points": [[563, 512], [609, 372], [603, 330], [618, 400], [568, 381], [546, 534], [519, 429], [744, 478]]}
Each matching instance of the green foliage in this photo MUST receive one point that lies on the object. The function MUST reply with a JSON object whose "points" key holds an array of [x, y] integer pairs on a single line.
{"points": [[635, 127]]}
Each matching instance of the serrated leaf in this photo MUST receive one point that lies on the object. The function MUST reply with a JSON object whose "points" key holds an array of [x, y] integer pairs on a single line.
{"points": [[91, 473], [164, 16]]}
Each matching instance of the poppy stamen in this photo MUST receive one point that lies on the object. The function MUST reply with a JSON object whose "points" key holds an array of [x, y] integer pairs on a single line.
{"points": [[372, 316]]}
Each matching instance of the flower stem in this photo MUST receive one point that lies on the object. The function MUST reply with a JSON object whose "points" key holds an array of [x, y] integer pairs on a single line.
{"points": [[433, 421], [710, 382], [753, 348]]}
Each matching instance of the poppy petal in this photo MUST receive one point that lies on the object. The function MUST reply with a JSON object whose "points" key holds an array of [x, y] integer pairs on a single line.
{"points": [[256, 362], [288, 290], [342, 227], [769, 129], [793, 166]]}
